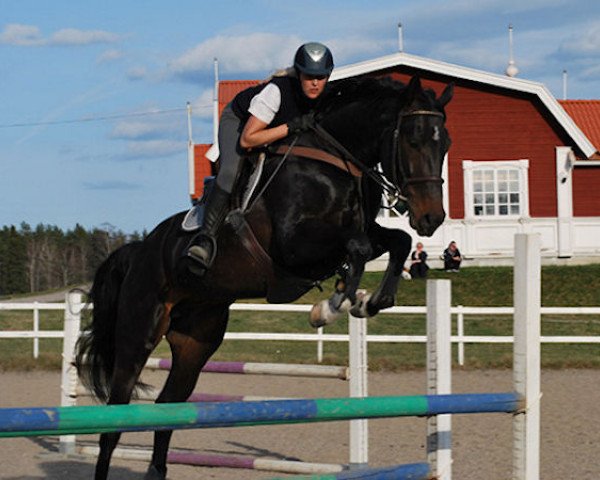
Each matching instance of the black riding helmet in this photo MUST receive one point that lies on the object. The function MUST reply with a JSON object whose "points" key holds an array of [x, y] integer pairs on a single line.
{"points": [[313, 59]]}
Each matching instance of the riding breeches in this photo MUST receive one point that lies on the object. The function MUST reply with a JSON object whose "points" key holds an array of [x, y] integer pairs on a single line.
{"points": [[230, 153]]}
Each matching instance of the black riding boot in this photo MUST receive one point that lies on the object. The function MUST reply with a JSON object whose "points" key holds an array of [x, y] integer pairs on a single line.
{"points": [[203, 246]]}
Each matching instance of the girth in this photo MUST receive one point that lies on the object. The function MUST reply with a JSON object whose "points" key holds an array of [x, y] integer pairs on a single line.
{"points": [[320, 155]]}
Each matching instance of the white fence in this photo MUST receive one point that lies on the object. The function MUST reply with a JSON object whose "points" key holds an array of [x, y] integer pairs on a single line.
{"points": [[459, 312]]}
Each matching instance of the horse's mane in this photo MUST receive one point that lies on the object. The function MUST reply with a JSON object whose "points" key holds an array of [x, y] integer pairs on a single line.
{"points": [[359, 89], [364, 89]]}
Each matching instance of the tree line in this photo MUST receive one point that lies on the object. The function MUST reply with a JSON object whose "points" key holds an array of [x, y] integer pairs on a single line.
{"points": [[46, 257]]}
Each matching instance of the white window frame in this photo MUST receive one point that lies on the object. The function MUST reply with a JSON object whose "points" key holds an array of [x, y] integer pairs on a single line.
{"points": [[522, 167]]}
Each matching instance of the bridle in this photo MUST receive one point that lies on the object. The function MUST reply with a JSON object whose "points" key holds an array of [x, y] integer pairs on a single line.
{"points": [[393, 189], [396, 163]]}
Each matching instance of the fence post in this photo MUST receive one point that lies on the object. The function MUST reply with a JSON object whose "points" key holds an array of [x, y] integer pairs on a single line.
{"points": [[320, 345], [72, 325], [439, 375], [36, 330], [526, 356], [460, 332], [359, 434]]}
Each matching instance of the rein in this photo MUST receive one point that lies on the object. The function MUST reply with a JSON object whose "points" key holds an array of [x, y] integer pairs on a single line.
{"points": [[370, 172], [393, 189]]}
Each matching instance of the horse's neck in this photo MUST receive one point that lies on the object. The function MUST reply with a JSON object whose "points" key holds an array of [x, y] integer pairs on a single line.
{"points": [[360, 129]]}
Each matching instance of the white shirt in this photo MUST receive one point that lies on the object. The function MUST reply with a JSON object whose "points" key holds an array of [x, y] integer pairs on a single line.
{"points": [[266, 104]]}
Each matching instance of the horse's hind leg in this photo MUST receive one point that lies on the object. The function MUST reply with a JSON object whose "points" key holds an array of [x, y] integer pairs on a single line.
{"points": [[139, 329], [195, 334]]}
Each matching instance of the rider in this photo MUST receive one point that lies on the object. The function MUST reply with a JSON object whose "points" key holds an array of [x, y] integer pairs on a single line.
{"points": [[258, 116]]}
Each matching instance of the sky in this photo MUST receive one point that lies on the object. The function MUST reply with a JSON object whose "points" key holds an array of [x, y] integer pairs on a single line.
{"points": [[93, 94]]}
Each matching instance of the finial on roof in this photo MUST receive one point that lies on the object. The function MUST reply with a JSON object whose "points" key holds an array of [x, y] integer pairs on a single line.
{"points": [[564, 84], [400, 38], [512, 69]]}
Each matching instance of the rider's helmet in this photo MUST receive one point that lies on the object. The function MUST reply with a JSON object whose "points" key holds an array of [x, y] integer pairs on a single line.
{"points": [[313, 59]]}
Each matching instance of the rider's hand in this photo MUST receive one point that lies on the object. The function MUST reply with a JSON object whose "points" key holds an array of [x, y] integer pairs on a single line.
{"points": [[302, 123]]}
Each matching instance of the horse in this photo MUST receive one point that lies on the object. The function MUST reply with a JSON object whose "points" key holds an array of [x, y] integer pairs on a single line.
{"points": [[309, 220]]}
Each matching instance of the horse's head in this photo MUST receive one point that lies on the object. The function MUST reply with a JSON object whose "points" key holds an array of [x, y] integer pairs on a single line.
{"points": [[420, 142]]}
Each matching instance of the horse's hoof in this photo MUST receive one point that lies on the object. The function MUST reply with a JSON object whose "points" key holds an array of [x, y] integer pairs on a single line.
{"points": [[154, 474], [323, 314], [316, 319], [360, 307], [379, 302]]}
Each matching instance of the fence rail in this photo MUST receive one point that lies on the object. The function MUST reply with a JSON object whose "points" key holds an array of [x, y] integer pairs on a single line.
{"points": [[459, 312]]}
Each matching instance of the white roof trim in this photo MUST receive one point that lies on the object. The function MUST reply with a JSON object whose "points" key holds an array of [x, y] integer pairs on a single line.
{"points": [[472, 74], [586, 163]]}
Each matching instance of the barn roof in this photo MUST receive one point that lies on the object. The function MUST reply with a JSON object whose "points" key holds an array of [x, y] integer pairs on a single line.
{"points": [[586, 114], [502, 81]]}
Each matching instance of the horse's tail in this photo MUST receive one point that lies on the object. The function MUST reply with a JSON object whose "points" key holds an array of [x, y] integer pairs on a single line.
{"points": [[95, 349]]}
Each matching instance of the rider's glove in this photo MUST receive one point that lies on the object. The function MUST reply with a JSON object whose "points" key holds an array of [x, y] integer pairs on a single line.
{"points": [[302, 123]]}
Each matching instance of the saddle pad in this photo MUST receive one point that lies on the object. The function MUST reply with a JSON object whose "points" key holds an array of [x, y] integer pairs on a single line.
{"points": [[193, 218]]}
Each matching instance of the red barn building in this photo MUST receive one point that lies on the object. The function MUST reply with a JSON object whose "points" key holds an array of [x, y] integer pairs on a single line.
{"points": [[520, 161]]}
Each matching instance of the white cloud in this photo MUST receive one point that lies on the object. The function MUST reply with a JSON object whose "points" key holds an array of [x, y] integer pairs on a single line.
{"points": [[257, 52], [31, 36], [137, 73], [348, 48], [202, 107], [73, 36], [136, 130], [585, 43], [155, 148], [110, 56], [21, 35]]}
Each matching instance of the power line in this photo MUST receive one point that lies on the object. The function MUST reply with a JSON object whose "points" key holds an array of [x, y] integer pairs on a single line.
{"points": [[98, 118]]}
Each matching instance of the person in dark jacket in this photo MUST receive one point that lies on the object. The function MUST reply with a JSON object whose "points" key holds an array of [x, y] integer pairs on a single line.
{"points": [[259, 116], [452, 258], [418, 265]]}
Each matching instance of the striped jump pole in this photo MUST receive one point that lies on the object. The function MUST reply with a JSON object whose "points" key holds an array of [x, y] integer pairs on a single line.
{"points": [[288, 369], [411, 471], [19, 422], [150, 394], [224, 461]]}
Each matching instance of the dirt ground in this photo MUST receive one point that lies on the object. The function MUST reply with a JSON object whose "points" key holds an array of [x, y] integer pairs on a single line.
{"points": [[482, 443]]}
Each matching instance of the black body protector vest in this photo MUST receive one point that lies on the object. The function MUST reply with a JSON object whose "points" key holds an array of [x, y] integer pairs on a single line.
{"points": [[293, 102]]}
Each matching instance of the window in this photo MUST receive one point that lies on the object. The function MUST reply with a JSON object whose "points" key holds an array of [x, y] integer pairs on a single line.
{"points": [[496, 189]]}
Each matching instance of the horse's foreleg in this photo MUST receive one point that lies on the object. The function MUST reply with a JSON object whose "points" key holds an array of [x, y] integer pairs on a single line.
{"points": [[326, 312], [397, 243], [194, 336]]}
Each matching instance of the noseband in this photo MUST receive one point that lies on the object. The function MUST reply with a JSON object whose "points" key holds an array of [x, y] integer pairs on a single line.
{"points": [[397, 161]]}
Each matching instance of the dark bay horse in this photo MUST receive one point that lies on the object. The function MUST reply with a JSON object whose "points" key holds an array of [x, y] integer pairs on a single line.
{"points": [[311, 221]]}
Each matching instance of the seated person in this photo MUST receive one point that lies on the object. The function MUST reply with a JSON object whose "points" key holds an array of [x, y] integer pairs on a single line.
{"points": [[418, 265], [452, 258]]}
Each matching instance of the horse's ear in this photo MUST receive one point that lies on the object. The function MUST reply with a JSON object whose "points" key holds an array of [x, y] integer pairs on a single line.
{"points": [[413, 89], [446, 95]]}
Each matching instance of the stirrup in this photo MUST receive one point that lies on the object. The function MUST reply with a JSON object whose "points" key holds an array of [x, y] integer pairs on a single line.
{"points": [[204, 257]]}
